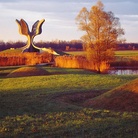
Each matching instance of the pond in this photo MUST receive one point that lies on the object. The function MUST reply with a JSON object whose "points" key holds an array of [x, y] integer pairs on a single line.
{"points": [[122, 71]]}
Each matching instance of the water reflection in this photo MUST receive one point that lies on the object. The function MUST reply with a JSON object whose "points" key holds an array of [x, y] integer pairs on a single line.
{"points": [[124, 71]]}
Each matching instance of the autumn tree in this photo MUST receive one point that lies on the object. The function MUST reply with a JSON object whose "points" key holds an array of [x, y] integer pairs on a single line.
{"points": [[101, 33]]}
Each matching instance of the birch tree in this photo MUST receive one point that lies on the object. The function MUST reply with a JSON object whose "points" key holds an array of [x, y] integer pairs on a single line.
{"points": [[102, 31]]}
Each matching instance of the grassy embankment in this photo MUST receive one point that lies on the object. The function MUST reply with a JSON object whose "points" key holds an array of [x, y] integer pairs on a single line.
{"points": [[54, 105]]}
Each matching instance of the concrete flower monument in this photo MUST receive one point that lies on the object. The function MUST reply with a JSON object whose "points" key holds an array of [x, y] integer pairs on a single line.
{"points": [[36, 30]]}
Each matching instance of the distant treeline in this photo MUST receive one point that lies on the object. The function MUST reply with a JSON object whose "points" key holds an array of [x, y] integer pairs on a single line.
{"points": [[57, 45], [128, 46], [61, 45]]}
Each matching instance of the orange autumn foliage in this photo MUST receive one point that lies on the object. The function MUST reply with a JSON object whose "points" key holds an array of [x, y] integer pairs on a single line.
{"points": [[79, 62], [14, 59]]}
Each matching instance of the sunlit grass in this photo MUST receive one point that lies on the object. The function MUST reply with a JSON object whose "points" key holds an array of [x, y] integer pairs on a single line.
{"points": [[122, 98], [82, 123], [67, 80], [12, 50], [29, 106], [117, 53], [33, 94], [80, 53], [127, 53]]}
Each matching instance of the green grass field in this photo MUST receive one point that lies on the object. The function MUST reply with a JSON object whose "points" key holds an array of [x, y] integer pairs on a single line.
{"points": [[42, 106], [127, 53], [117, 53]]}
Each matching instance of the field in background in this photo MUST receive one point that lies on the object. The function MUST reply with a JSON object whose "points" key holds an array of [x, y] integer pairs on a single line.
{"points": [[14, 57], [127, 53], [124, 58], [117, 53], [42, 106]]}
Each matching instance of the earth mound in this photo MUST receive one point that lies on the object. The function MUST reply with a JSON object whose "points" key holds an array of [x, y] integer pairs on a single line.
{"points": [[28, 71], [124, 98]]}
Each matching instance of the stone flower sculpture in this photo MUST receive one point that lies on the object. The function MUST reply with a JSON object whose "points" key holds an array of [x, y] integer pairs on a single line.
{"points": [[24, 30]]}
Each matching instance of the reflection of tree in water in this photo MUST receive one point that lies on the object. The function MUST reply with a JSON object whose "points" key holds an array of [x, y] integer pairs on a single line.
{"points": [[124, 71]]}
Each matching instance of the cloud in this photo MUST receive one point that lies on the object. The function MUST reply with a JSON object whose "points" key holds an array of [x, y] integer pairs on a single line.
{"points": [[122, 6], [60, 14], [7, 1]]}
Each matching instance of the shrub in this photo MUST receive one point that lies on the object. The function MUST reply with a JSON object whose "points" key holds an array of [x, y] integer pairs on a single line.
{"points": [[12, 59], [79, 62]]}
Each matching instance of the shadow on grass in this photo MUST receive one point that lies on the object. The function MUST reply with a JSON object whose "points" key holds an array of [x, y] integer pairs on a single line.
{"points": [[12, 104], [32, 103], [55, 70]]}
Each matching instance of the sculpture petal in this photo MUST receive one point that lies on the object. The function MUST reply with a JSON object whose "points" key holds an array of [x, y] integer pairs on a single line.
{"points": [[37, 27], [23, 27], [34, 27], [19, 25]]}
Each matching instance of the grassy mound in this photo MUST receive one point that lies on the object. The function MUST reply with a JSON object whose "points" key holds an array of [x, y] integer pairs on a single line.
{"points": [[11, 50], [124, 98], [28, 71]]}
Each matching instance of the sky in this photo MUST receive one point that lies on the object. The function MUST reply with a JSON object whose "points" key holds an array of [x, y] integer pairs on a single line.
{"points": [[60, 17]]}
